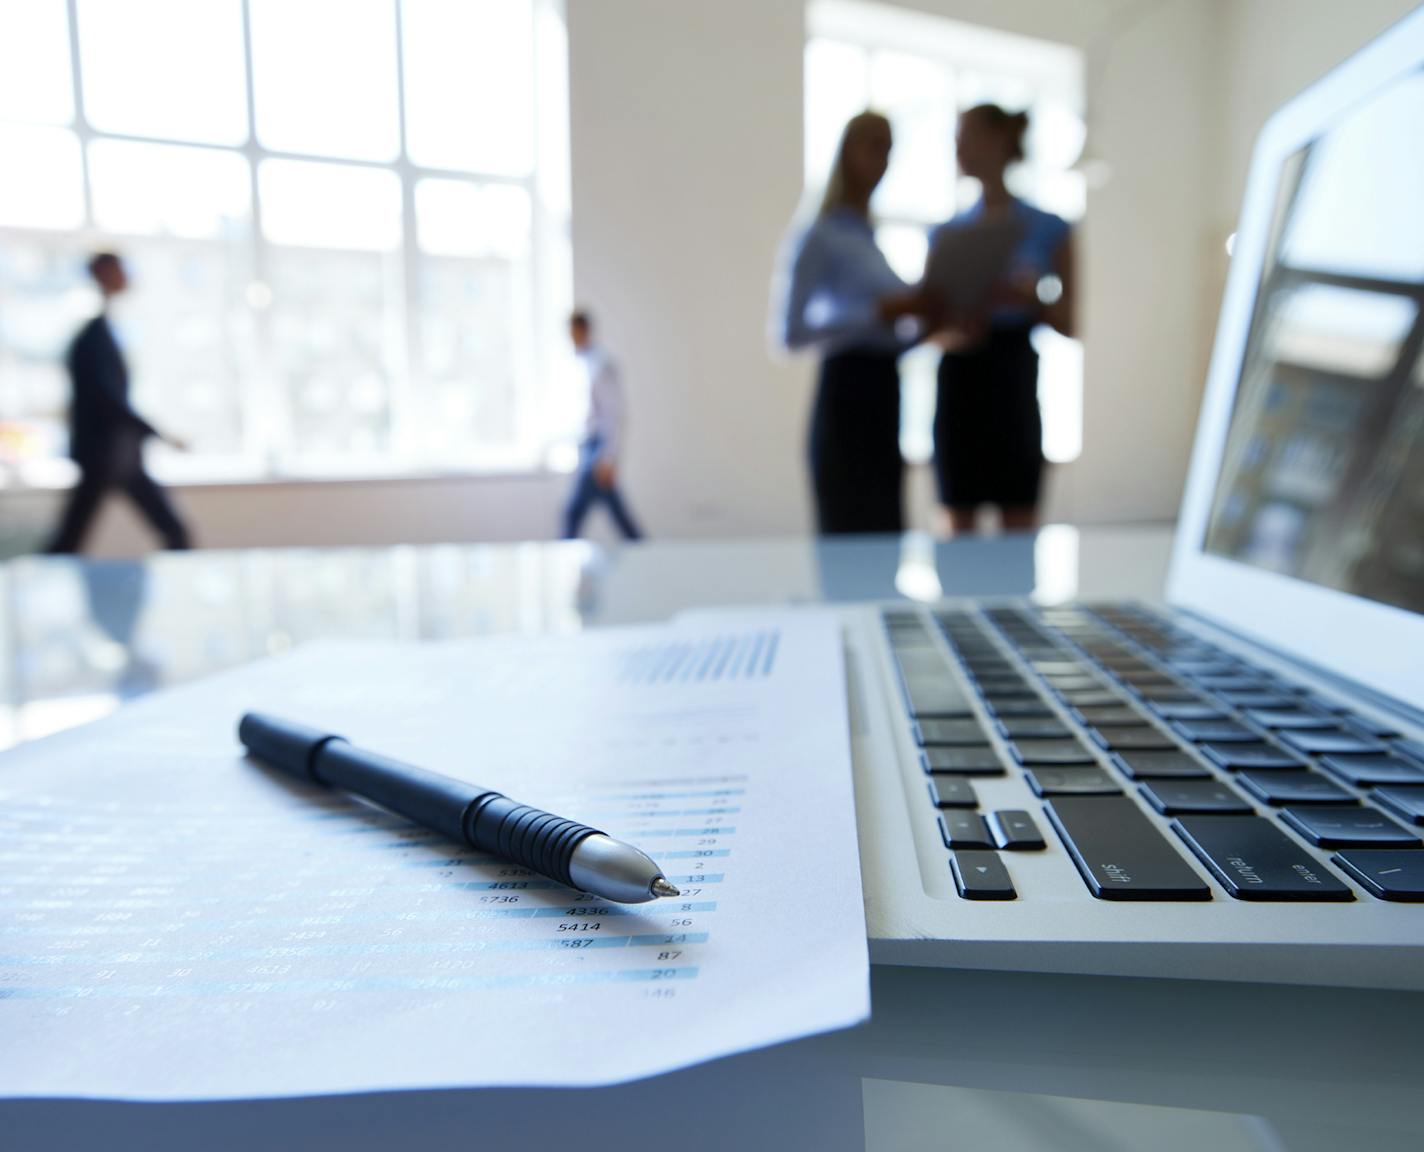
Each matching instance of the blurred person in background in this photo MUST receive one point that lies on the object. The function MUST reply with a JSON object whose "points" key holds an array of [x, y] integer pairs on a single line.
{"points": [[597, 478], [988, 432], [840, 296], [105, 434]]}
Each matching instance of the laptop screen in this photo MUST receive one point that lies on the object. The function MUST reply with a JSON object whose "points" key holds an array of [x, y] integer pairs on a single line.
{"points": [[1323, 473]]}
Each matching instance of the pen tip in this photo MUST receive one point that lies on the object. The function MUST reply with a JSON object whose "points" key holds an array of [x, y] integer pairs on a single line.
{"points": [[661, 887]]}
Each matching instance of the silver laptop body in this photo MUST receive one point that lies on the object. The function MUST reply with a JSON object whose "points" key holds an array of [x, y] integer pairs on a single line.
{"points": [[1281, 686]]}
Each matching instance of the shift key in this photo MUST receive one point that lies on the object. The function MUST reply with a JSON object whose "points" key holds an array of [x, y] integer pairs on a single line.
{"points": [[1119, 851]]}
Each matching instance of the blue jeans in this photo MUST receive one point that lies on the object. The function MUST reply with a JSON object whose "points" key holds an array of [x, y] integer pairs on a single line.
{"points": [[586, 493]]}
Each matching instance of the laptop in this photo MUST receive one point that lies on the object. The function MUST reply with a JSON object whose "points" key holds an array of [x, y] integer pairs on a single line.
{"points": [[1229, 785]]}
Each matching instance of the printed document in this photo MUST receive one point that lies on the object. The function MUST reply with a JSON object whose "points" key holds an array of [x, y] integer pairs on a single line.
{"points": [[179, 922]]}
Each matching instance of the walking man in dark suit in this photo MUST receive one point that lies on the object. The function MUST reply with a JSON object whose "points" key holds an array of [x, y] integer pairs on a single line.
{"points": [[105, 434]]}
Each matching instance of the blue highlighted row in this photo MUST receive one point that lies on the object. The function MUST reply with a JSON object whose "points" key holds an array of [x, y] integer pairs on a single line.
{"points": [[314, 951], [370, 984]]}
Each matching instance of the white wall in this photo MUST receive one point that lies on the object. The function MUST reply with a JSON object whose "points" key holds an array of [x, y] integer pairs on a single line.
{"points": [[686, 126], [686, 134]]}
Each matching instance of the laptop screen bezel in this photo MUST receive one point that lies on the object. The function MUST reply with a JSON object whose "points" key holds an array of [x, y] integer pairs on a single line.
{"points": [[1377, 645]]}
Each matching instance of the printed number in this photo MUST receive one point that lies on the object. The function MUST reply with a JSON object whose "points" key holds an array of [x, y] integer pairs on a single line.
{"points": [[669, 955], [499, 899], [575, 943], [580, 926], [682, 923]]}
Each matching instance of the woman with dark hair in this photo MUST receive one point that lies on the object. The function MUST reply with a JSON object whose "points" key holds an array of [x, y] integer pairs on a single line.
{"points": [[988, 431], [842, 297]]}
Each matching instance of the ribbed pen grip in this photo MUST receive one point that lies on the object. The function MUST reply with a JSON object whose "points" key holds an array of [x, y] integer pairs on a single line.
{"points": [[534, 838]]}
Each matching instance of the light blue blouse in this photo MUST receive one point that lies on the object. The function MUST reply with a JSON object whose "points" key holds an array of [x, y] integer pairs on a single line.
{"points": [[834, 277], [1043, 235]]}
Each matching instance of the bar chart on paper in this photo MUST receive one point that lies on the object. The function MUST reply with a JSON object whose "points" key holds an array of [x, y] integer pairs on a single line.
{"points": [[236, 934]]}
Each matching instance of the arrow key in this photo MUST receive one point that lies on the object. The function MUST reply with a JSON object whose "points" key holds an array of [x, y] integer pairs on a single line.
{"points": [[981, 876]]}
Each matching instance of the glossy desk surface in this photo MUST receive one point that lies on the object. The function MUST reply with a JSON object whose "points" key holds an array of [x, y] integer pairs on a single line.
{"points": [[951, 1059]]}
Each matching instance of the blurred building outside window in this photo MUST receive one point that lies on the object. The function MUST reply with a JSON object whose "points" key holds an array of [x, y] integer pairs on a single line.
{"points": [[921, 71], [346, 221]]}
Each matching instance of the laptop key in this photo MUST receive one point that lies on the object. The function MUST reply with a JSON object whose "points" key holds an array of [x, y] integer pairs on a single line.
{"points": [[1255, 860], [1279, 718], [1160, 766], [1257, 699], [981, 876], [1179, 797], [949, 732], [980, 760], [1385, 873], [1138, 736], [1237, 757], [1035, 728], [1120, 853], [1294, 788], [937, 704], [963, 830], [1051, 752], [1362, 771], [1071, 782], [1018, 706], [1403, 800], [1188, 710], [1349, 828], [1215, 732], [1414, 749], [953, 792], [1091, 698], [1120, 714], [1332, 743], [1014, 830]]}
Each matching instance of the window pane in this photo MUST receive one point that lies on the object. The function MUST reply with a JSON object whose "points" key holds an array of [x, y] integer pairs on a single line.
{"points": [[166, 68], [460, 218], [469, 84], [43, 300], [43, 186], [165, 189], [335, 326], [329, 205], [1060, 394], [324, 77], [475, 335], [35, 83], [915, 93], [837, 88], [188, 336]]}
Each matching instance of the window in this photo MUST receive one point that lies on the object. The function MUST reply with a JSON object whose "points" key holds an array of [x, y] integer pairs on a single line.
{"points": [[348, 238], [921, 71]]}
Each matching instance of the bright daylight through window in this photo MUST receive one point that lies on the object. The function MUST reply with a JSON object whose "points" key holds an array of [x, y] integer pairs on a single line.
{"points": [[347, 223], [922, 71]]}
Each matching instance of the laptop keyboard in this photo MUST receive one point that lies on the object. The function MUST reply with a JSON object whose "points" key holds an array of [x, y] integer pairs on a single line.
{"points": [[1102, 710]]}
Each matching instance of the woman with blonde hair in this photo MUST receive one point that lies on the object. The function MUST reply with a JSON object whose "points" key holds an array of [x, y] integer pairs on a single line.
{"points": [[842, 298]]}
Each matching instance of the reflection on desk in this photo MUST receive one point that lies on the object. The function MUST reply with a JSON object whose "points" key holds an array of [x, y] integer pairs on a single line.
{"points": [[83, 636]]}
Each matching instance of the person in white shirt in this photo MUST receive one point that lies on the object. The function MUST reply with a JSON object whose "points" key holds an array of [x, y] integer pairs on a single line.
{"points": [[597, 478]]}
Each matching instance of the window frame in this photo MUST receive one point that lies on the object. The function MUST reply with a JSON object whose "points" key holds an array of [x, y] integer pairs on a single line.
{"points": [[548, 273]]}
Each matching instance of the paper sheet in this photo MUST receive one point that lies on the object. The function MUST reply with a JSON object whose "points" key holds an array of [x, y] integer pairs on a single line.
{"points": [[179, 923]]}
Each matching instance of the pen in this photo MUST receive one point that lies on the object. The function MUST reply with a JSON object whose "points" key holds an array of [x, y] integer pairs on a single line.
{"points": [[563, 850]]}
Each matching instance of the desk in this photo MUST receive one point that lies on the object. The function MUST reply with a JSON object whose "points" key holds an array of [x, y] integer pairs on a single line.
{"points": [[950, 1060]]}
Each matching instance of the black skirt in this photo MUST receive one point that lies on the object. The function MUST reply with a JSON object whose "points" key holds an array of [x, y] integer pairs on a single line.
{"points": [[856, 467], [988, 433]]}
